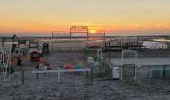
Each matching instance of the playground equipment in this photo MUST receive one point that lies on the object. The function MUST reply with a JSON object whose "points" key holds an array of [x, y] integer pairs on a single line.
{"points": [[69, 67], [35, 55], [19, 51], [22, 51], [6, 66], [45, 48], [12, 39], [22, 47], [44, 65], [33, 44]]}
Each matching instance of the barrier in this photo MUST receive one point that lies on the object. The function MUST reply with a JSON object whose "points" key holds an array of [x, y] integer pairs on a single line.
{"points": [[62, 71], [159, 72]]}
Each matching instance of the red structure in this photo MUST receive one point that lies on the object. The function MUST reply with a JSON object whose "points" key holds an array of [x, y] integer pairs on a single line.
{"points": [[35, 56]]}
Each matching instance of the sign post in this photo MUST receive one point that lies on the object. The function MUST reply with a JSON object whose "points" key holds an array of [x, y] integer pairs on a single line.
{"points": [[80, 29]]}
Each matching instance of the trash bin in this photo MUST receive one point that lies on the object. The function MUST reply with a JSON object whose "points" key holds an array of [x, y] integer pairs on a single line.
{"points": [[116, 73]]}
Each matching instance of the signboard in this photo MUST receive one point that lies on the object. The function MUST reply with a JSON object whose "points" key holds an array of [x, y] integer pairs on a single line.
{"points": [[79, 29], [21, 41]]}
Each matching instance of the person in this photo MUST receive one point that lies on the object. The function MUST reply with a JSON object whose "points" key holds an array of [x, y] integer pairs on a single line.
{"points": [[19, 61], [48, 67]]}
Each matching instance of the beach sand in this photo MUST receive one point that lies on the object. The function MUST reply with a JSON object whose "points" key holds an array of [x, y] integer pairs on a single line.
{"points": [[78, 86]]}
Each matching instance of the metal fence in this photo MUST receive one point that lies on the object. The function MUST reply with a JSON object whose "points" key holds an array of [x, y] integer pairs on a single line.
{"points": [[153, 72]]}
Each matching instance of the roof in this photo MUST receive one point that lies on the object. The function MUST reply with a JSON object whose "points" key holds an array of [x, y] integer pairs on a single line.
{"points": [[34, 50]]}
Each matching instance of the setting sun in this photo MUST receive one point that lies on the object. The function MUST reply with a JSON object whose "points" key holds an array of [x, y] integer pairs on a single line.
{"points": [[92, 31]]}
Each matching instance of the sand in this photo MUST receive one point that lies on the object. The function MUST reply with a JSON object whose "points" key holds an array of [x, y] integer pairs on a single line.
{"points": [[78, 86]]}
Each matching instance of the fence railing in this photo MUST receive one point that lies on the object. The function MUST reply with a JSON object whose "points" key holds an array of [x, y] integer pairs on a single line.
{"points": [[153, 72]]}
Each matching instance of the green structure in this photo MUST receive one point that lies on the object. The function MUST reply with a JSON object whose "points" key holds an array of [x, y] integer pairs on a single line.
{"points": [[45, 49], [159, 72], [6, 66], [108, 69]]}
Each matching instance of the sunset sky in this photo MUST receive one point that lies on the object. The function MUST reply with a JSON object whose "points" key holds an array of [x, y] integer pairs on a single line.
{"points": [[114, 16]]}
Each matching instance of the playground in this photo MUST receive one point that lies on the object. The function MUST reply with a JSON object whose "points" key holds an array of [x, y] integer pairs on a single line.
{"points": [[38, 71], [73, 86]]}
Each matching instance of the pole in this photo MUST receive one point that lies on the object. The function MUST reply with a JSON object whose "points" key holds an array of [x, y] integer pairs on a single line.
{"points": [[37, 76], [91, 74], [52, 34], [70, 32], [22, 72], [87, 34], [104, 37], [109, 52], [87, 37], [164, 69], [58, 74], [3, 40]]}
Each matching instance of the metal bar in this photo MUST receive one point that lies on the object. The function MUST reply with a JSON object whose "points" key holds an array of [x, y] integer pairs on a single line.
{"points": [[91, 74], [52, 34], [54, 71], [37, 76], [58, 75], [164, 69], [23, 79]]}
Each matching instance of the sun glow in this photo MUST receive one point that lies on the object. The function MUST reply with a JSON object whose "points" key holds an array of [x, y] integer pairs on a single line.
{"points": [[92, 31]]}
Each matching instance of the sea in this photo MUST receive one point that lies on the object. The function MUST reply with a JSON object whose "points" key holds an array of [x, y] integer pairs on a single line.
{"points": [[80, 40]]}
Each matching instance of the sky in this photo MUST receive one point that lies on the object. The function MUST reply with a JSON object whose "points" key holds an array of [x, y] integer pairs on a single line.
{"points": [[113, 16]]}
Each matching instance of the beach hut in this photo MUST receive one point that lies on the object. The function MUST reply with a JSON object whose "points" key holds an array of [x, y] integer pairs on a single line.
{"points": [[35, 55]]}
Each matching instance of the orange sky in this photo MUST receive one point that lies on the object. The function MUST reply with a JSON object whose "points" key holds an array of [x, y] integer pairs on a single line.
{"points": [[44, 16]]}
